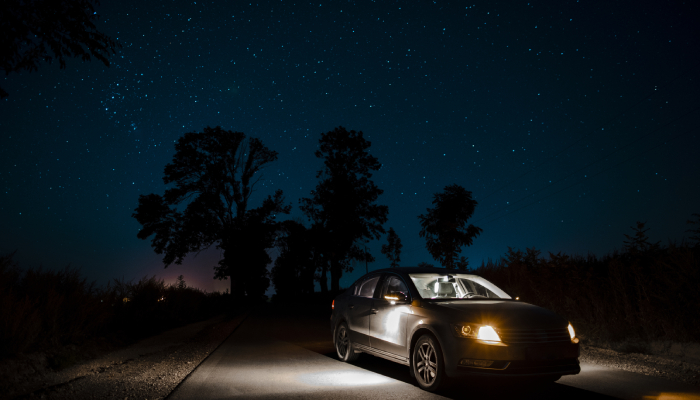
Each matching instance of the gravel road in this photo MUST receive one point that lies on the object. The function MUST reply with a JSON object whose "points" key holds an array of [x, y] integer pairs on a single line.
{"points": [[650, 365], [149, 369], [152, 368]]}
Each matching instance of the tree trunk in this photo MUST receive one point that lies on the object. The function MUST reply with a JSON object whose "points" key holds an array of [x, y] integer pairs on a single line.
{"points": [[336, 273], [323, 281]]}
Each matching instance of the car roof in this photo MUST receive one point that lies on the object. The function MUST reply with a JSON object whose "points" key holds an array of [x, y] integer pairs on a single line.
{"points": [[419, 270]]}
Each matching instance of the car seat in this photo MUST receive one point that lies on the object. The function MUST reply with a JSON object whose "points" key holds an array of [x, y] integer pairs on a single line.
{"points": [[446, 289]]}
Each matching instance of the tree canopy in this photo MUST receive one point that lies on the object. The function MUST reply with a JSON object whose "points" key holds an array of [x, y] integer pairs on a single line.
{"points": [[343, 203], [36, 31], [214, 174], [392, 250], [445, 228], [695, 233]]}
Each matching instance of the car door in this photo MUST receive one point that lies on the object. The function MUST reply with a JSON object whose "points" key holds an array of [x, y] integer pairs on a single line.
{"points": [[388, 322], [360, 307]]}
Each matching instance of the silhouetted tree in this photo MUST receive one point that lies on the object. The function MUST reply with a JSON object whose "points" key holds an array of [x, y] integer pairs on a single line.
{"points": [[181, 284], [639, 243], [445, 225], [695, 232], [392, 250], [462, 263], [36, 31], [343, 204], [214, 173], [294, 269], [424, 264]]}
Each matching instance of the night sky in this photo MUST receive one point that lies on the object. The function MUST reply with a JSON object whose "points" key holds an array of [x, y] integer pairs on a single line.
{"points": [[568, 121]]}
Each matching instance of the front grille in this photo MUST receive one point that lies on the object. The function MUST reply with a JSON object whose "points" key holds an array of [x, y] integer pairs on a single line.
{"points": [[523, 336]]}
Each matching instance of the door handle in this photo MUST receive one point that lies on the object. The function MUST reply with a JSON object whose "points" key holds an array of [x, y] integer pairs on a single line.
{"points": [[373, 310]]}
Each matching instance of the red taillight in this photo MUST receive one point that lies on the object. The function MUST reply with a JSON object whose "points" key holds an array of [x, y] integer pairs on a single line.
{"points": [[333, 305]]}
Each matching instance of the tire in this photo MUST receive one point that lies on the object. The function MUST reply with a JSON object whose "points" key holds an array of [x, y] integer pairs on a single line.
{"points": [[430, 377], [343, 345]]}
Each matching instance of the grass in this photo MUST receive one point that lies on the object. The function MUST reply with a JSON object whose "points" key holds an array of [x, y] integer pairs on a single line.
{"points": [[620, 300], [45, 310]]}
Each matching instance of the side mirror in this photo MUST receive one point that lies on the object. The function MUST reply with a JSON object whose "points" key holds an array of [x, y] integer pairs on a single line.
{"points": [[397, 297]]}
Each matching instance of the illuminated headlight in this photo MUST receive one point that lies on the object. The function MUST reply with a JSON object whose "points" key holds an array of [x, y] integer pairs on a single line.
{"points": [[476, 331], [572, 334]]}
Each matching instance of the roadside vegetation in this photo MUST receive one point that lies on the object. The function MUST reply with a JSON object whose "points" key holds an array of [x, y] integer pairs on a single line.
{"points": [[43, 310], [625, 300]]}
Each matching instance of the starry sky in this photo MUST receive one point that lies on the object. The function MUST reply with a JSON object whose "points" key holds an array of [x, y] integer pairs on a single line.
{"points": [[568, 121]]}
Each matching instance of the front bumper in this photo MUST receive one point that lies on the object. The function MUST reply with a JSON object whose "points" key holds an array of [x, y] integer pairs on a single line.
{"points": [[512, 360]]}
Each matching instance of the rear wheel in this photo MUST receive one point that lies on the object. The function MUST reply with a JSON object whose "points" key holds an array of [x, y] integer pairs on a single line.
{"points": [[427, 363], [343, 346]]}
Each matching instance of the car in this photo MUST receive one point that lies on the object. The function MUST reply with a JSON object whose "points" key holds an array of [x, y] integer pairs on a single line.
{"points": [[450, 324]]}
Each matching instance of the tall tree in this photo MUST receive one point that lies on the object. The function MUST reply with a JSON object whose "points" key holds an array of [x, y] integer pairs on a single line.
{"points": [[695, 232], [214, 175], [343, 203], [445, 228], [36, 31], [639, 243], [294, 269], [392, 250], [462, 263]]}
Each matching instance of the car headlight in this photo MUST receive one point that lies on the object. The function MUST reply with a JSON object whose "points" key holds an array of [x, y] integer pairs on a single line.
{"points": [[572, 334], [476, 331]]}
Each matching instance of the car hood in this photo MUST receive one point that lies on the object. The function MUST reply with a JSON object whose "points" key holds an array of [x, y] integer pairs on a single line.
{"points": [[500, 313]]}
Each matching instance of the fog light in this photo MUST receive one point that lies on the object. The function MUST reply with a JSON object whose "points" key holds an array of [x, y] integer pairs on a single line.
{"points": [[475, 363]]}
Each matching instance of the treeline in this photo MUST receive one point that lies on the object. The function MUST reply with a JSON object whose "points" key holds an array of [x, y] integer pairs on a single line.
{"points": [[42, 309], [212, 177], [646, 292]]}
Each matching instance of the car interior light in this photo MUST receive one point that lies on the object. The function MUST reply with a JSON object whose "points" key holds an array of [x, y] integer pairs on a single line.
{"points": [[488, 333], [391, 297], [333, 305]]}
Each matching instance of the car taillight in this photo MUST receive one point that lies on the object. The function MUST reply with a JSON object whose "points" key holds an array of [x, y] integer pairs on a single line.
{"points": [[333, 305]]}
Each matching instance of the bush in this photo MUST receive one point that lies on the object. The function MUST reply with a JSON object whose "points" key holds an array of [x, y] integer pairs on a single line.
{"points": [[635, 295], [42, 309]]}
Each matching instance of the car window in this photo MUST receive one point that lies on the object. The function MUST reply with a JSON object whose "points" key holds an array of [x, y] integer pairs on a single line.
{"points": [[366, 288], [475, 288], [455, 286], [395, 284]]}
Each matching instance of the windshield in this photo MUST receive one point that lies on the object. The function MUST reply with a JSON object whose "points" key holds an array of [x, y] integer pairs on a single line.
{"points": [[455, 286]]}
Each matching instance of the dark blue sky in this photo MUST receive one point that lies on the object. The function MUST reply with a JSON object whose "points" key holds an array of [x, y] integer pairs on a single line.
{"points": [[568, 121]]}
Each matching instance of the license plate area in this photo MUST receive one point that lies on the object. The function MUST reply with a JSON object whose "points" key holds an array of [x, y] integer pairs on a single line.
{"points": [[546, 353]]}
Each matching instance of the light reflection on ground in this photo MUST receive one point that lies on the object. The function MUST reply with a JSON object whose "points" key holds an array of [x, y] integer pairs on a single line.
{"points": [[672, 396], [344, 378]]}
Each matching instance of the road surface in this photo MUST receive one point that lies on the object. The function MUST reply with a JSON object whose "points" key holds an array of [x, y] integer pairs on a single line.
{"points": [[288, 355]]}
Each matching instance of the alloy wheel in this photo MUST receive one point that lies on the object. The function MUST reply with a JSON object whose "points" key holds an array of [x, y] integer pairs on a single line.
{"points": [[341, 342], [426, 365]]}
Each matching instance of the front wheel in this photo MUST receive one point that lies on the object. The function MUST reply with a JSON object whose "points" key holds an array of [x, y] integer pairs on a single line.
{"points": [[427, 363], [343, 346]]}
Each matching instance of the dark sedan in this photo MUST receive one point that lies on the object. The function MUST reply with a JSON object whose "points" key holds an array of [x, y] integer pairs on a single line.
{"points": [[448, 323]]}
